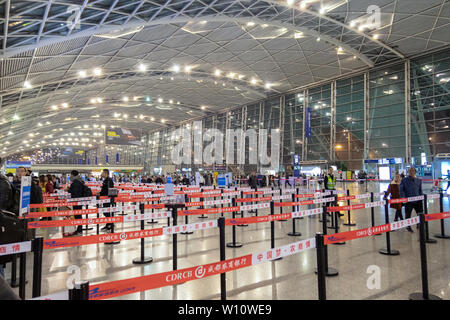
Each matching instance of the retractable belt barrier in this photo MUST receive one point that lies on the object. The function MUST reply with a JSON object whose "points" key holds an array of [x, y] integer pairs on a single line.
{"points": [[14, 248], [275, 217], [68, 204], [302, 203], [123, 287]]}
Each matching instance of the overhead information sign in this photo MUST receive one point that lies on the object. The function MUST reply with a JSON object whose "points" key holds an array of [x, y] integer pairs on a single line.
{"points": [[122, 136]]}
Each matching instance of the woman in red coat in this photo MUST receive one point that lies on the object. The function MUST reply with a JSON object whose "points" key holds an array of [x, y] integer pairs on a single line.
{"points": [[394, 192]]}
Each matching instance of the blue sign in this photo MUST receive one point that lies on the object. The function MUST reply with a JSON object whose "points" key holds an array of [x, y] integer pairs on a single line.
{"points": [[117, 158], [308, 123], [89, 161], [371, 161], [25, 194], [96, 161], [107, 159], [169, 179], [296, 159], [222, 182], [17, 164]]}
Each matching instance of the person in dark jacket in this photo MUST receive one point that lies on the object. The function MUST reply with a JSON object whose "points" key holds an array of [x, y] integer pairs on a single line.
{"points": [[107, 184], [411, 187], [6, 193], [394, 191], [253, 180], [76, 191]]}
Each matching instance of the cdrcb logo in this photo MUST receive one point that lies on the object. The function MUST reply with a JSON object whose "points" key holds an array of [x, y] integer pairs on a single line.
{"points": [[123, 236], [200, 272]]}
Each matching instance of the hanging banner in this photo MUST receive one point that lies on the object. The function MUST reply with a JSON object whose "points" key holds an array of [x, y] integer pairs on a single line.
{"points": [[123, 136], [117, 158], [308, 123]]}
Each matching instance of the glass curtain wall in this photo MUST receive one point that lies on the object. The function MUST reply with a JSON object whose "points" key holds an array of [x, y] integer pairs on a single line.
{"points": [[386, 136], [293, 127], [430, 107], [318, 147], [349, 146]]}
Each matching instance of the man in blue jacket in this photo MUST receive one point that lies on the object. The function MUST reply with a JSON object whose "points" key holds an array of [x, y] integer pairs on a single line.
{"points": [[411, 187]]}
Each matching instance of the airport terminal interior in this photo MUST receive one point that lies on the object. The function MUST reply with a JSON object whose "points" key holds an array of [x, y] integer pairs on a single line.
{"points": [[225, 149]]}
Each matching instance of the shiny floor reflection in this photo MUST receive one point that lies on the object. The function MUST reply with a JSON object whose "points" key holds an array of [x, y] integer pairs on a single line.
{"points": [[290, 278]]}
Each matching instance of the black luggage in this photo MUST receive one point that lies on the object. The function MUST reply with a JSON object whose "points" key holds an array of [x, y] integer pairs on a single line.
{"points": [[12, 230]]}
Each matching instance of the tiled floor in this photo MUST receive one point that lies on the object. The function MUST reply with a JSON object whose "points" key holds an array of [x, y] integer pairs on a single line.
{"points": [[290, 278]]}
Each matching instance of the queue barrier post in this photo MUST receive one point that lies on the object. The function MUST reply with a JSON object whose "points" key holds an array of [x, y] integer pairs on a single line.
{"points": [[294, 233], [22, 274], [98, 214], [152, 221], [427, 232], [174, 239], [349, 221], [186, 220], [80, 291], [86, 227], [332, 216], [321, 271], [37, 248], [388, 251], [234, 244], [330, 272], [256, 196], [112, 225], [242, 211], [272, 228], [14, 272], [142, 259], [442, 235], [424, 295], [202, 207], [223, 284]]}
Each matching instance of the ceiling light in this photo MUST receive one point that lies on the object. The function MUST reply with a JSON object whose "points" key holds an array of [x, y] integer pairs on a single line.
{"points": [[203, 107], [250, 24], [218, 73], [163, 120], [298, 35], [135, 98], [142, 67], [82, 74], [93, 100], [188, 69], [27, 85], [231, 75], [176, 68], [290, 2], [303, 5], [322, 10], [65, 105], [160, 100], [253, 81], [352, 23], [125, 99], [15, 117], [152, 119], [171, 101], [99, 100], [268, 85], [376, 36], [97, 71], [54, 107], [318, 39], [125, 116]]}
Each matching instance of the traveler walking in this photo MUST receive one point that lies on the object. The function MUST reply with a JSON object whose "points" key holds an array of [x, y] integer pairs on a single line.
{"points": [[394, 191], [76, 190], [411, 187], [108, 183]]}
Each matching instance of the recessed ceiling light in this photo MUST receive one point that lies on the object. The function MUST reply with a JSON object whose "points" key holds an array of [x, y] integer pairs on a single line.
{"points": [[97, 71], [54, 107], [65, 105], [82, 74], [218, 73], [176, 68], [142, 67], [250, 24], [125, 99], [188, 69], [27, 85]]}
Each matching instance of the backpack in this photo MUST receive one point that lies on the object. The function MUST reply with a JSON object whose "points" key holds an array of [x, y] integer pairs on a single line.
{"points": [[11, 230], [87, 192]]}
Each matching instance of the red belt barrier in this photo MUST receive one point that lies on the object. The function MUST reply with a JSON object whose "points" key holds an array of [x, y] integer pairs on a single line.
{"points": [[356, 234], [110, 237], [208, 211], [71, 222], [437, 216], [204, 195], [127, 286], [254, 199], [249, 220], [59, 213], [253, 192], [154, 206], [347, 208]]}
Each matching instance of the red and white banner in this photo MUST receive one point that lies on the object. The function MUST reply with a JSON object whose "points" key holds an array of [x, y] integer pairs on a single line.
{"points": [[433, 196], [102, 238], [358, 196], [64, 213], [72, 222], [207, 203], [404, 223], [305, 213], [118, 209], [255, 206], [258, 219], [16, 247], [302, 203], [437, 216], [357, 206], [190, 227], [262, 199], [356, 234], [122, 287], [410, 199], [284, 251]]}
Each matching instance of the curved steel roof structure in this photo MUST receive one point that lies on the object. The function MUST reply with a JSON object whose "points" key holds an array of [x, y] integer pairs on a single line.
{"points": [[149, 64]]}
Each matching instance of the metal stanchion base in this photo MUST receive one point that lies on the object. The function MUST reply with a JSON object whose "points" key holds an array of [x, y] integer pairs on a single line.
{"points": [[431, 241], [440, 236], [294, 234], [234, 245], [142, 261], [152, 222], [386, 252], [330, 273], [242, 225], [338, 243], [187, 232], [419, 296], [202, 217], [114, 242], [349, 224], [283, 220], [122, 214], [16, 285]]}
